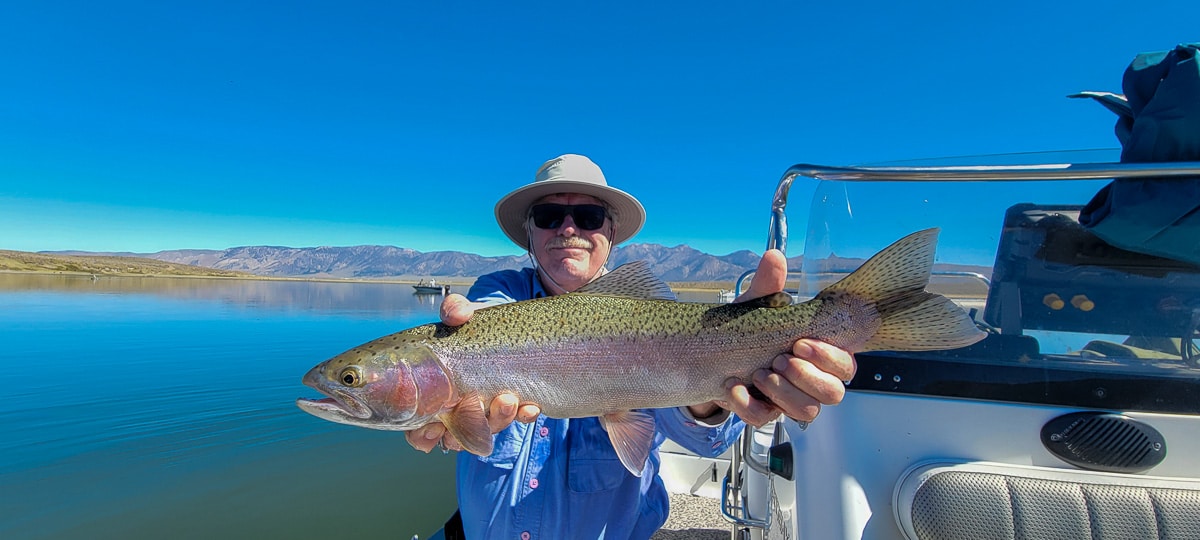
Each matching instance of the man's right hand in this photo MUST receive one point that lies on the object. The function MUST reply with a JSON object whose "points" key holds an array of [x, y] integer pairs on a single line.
{"points": [[456, 310]]}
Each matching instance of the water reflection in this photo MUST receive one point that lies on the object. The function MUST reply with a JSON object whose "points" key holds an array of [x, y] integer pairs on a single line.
{"points": [[386, 298]]}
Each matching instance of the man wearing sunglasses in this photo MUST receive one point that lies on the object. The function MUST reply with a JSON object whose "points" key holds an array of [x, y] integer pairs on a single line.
{"points": [[561, 478]]}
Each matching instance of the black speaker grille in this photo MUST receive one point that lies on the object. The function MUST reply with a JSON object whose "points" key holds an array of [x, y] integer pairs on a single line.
{"points": [[1104, 442]]}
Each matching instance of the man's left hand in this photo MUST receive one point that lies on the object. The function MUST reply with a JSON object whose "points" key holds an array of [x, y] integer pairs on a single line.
{"points": [[797, 384]]}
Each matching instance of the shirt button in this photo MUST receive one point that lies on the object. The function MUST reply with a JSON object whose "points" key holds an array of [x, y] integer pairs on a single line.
{"points": [[525, 535], [544, 431], [533, 483]]}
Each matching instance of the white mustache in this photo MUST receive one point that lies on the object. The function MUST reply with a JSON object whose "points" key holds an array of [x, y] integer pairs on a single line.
{"points": [[571, 242]]}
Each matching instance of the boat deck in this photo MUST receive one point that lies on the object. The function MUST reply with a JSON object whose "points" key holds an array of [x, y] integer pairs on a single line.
{"points": [[694, 518]]}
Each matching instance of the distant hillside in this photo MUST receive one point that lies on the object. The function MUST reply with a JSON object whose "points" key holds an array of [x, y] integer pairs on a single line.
{"points": [[676, 264], [23, 261], [341, 262], [673, 264]]}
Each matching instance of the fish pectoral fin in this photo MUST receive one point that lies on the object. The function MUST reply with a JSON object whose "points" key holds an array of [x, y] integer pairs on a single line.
{"points": [[632, 435], [467, 422]]}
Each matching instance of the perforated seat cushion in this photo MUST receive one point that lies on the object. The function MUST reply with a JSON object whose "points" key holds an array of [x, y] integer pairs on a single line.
{"points": [[952, 505]]}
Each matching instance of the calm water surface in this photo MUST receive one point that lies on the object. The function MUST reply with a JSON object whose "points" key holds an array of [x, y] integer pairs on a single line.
{"points": [[164, 408]]}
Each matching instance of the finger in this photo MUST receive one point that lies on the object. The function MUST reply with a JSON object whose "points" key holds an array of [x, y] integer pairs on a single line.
{"points": [[426, 438], [828, 358], [450, 443], [798, 376], [752, 411], [768, 278], [528, 412], [502, 411], [456, 310], [793, 401]]}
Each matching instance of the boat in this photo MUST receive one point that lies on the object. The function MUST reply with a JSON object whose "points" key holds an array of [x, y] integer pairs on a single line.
{"points": [[430, 287], [1076, 415]]}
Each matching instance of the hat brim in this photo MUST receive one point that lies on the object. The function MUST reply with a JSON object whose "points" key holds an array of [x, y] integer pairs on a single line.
{"points": [[513, 209]]}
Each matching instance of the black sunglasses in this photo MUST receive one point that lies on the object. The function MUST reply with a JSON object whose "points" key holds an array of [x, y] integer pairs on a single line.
{"points": [[588, 217]]}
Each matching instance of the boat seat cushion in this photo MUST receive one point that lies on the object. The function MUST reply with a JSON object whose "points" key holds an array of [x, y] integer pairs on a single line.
{"points": [[985, 501]]}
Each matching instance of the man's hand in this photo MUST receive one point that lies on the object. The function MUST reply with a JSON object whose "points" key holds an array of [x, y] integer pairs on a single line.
{"points": [[456, 310], [798, 383]]}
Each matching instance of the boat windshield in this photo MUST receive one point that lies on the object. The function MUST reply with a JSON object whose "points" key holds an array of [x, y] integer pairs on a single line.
{"points": [[1071, 320]]}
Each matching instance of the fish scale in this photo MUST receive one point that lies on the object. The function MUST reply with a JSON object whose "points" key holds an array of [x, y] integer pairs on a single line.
{"points": [[621, 344], [617, 366]]}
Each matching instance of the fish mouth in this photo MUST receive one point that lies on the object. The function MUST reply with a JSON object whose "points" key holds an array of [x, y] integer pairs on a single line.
{"points": [[338, 408]]}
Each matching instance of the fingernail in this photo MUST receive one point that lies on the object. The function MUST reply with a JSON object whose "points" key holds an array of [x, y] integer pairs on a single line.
{"points": [[429, 435], [761, 375], [507, 409], [780, 364]]}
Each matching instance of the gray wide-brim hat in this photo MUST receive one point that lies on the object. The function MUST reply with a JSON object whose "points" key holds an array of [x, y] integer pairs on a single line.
{"points": [[569, 173]]}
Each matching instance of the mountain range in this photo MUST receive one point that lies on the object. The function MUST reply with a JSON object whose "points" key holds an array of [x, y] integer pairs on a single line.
{"points": [[679, 263], [674, 264]]}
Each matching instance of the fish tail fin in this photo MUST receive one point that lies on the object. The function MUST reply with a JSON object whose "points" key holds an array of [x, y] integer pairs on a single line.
{"points": [[910, 318]]}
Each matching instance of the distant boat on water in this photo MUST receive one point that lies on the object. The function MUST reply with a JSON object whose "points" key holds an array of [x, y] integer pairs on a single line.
{"points": [[431, 287]]}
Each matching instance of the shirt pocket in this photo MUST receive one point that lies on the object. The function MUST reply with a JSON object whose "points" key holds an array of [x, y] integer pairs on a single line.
{"points": [[592, 465]]}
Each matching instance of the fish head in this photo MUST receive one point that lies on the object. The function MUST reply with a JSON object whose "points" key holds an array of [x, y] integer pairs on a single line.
{"points": [[400, 387]]}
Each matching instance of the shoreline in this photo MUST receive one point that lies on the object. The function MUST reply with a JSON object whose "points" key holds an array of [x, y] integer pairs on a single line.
{"points": [[698, 287], [458, 283]]}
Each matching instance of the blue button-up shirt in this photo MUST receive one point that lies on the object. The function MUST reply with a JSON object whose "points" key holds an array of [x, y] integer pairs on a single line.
{"points": [[561, 478]]}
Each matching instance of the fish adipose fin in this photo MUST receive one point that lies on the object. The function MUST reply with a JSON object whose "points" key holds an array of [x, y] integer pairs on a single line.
{"points": [[467, 422], [911, 319], [632, 435], [632, 280], [773, 300]]}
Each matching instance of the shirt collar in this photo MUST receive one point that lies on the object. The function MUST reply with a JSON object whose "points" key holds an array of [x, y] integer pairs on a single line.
{"points": [[535, 283]]}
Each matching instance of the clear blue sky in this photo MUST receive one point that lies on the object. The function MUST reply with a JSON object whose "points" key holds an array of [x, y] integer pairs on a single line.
{"points": [[144, 126]]}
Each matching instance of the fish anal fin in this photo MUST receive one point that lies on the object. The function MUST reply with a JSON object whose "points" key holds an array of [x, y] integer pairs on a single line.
{"points": [[467, 422], [632, 435]]}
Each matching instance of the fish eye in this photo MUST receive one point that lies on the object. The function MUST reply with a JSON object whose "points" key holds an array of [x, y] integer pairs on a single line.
{"points": [[351, 376]]}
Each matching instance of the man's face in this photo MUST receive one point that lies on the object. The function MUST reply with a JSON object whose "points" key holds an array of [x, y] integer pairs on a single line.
{"points": [[570, 255]]}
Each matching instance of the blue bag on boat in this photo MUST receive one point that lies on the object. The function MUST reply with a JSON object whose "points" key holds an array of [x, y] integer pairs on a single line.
{"points": [[1159, 122]]}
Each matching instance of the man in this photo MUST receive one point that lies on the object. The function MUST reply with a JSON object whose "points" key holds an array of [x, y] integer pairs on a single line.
{"points": [[561, 478]]}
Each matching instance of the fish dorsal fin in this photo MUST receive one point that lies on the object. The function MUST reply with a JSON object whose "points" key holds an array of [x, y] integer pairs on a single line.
{"points": [[467, 422], [632, 435], [632, 280]]}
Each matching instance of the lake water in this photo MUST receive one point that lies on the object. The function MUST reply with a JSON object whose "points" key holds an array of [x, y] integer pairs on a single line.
{"points": [[164, 408]]}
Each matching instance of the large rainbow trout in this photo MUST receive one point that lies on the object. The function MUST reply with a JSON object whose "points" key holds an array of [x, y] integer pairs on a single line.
{"points": [[620, 344]]}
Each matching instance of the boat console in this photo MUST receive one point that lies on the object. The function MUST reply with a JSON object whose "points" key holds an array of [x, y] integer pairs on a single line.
{"points": [[1053, 274]]}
